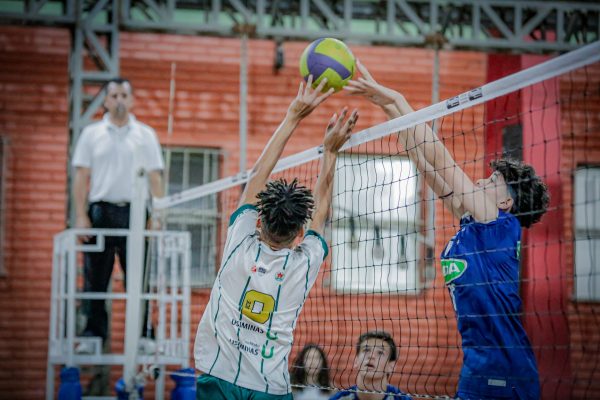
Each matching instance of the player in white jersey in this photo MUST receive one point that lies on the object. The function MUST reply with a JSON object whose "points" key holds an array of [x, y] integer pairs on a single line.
{"points": [[246, 333]]}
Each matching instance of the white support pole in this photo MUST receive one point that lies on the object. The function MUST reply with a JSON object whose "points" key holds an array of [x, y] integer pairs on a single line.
{"points": [[186, 311], [135, 260], [71, 283], [54, 305], [243, 101]]}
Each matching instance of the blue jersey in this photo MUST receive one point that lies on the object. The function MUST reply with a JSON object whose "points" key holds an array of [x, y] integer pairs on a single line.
{"points": [[392, 393], [480, 265]]}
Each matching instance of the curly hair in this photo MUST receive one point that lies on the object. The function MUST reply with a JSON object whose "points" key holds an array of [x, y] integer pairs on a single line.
{"points": [[298, 375], [532, 196], [283, 209]]}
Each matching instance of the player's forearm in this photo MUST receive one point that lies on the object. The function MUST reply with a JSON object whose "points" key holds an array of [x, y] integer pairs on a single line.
{"points": [[273, 150], [426, 142], [415, 153], [323, 191], [268, 159]]}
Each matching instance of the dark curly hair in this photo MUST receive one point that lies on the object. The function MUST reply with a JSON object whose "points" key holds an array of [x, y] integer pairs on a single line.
{"points": [[532, 197], [298, 376], [283, 209], [383, 335]]}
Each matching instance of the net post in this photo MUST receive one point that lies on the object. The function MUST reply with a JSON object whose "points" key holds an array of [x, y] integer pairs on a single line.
{"points": [[135, 259]]}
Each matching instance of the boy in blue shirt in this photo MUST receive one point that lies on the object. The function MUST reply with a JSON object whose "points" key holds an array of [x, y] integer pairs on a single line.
{"points": [[375, 359]]}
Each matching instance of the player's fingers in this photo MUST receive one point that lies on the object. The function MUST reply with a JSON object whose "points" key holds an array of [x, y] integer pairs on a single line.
{"points": [[331, 122], [309, 84], [354, 83], [300, 89], [341, 118], [350, 122], [324, 96], [364, 71], [321, 85]]}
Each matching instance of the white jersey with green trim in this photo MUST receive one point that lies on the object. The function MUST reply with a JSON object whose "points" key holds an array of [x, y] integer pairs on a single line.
{"points": [[246, 333]]}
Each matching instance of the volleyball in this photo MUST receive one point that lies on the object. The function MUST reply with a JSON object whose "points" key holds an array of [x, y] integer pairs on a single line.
{"points": [[328, 58]]}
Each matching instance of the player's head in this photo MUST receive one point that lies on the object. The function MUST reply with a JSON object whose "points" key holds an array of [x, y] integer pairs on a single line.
{"points": [[283, 208], [375, 359], [515, 188], [118, 99], [311, 362]]}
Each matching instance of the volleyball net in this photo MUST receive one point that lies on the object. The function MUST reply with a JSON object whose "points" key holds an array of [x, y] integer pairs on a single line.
{"points": [[386, 231]]}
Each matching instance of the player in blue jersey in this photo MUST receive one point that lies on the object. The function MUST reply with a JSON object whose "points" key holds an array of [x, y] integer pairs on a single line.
{"points": [[480, 263]]}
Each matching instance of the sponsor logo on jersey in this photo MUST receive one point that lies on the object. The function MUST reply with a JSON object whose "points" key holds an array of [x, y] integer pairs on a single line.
{"points": [[248, 348], [253, 269], [247, 326], [279, 276], [452, 269], [262, 270]]}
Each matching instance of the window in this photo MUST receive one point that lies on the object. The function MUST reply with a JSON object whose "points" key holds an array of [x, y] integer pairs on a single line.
{"points": [[188, 168], [587, 233], [375, 233]]}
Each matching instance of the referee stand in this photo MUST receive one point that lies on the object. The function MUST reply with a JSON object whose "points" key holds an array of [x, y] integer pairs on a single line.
{"points": [[167, 294]]}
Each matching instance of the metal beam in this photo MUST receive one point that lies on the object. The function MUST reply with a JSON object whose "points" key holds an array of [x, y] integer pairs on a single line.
{"points": [[534, 26], [523, 26]]}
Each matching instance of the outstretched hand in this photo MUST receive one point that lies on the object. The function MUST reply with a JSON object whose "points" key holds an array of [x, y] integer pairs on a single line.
{"points": [[308, 98], [367, 86], [338, 132]]}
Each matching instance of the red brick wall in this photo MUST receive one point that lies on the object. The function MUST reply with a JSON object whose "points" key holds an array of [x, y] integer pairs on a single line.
{"points": [[580, 123], [34, 118], [34, 115]]}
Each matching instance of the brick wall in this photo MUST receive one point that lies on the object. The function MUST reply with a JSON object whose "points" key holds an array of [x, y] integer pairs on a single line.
{"points": [[34, 118], [580, 123], [34, 115]]}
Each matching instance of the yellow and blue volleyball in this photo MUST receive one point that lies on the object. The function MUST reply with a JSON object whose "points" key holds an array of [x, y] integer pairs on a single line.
{"points": [[328, 58]]}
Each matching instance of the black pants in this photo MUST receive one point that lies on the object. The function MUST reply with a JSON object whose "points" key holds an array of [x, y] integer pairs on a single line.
{"points": [[98, 266]]}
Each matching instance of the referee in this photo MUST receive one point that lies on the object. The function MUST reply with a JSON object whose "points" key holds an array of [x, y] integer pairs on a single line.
{"points": [[105, 159]]}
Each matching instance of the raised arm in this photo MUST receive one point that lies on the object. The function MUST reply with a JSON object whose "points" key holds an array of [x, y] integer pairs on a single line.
{"points": [[304, 103], [460, 187], [432, 178], [338, 132]]}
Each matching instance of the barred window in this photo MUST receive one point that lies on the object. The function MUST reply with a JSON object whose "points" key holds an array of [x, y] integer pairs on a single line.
{"points": [[188, 168], [587, 233], [375, 233]]}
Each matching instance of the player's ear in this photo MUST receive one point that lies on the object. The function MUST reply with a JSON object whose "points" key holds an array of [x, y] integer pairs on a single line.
{"points": [[356, 362], [301, 233], [389, 368]]}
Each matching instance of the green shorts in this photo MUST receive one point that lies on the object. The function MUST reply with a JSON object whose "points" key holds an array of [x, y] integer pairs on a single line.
{"points": [[210, 387]]}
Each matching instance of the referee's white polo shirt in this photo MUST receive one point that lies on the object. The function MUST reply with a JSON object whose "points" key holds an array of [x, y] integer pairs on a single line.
{"points": [[112, 152]]}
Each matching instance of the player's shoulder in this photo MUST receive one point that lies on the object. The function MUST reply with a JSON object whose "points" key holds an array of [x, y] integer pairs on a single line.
{"points": [[313, 242], [242, 211]]}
